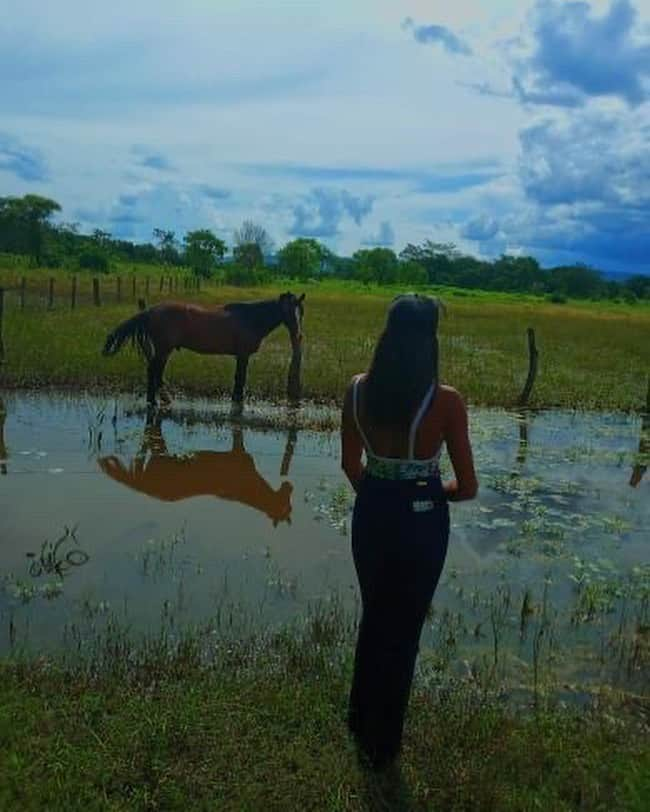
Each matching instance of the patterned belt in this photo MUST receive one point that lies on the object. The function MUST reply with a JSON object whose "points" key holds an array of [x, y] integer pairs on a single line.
{"points": [[383, 468]]}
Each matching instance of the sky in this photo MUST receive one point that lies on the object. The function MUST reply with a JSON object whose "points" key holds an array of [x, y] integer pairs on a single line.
{"points": [[508, 126]]}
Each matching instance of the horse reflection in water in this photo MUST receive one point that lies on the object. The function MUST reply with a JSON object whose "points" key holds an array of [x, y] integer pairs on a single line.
{"points": [[230, 475]]}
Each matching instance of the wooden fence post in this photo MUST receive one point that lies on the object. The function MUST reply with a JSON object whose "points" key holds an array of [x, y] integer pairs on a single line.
{"points": [[23, 288], [2, 307], [73, 293], [50, 294], [533, 357], [133, 287], [170, 282], [119, 288], [96, 299], [639, 470], [146, 287], [162, 282]]}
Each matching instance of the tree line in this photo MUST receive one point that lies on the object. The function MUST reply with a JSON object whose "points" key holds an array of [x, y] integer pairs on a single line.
{"points": [[27, 228]]}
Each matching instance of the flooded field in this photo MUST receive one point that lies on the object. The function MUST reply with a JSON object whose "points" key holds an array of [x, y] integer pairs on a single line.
{"points": [[104, 518]]}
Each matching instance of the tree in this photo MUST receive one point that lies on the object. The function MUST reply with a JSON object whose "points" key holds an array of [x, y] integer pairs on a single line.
{"points": [[301, 258], [576, 281], [167, 246], [252, 244], [376, 265], [101, 238], [25, 221], [518, 274], [411, 273], [203, 251], [639, 285], [437, 258]]}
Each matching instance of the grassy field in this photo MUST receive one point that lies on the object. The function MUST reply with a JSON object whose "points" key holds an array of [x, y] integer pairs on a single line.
{"points": [[592, 355], [261, 726]]}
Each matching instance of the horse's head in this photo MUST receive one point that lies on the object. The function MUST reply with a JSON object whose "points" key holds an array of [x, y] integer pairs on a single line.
{"points": [[281, 509], [292, 312]]}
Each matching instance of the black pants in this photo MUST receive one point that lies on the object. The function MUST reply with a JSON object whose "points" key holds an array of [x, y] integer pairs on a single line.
{"points": [[400, 531]]}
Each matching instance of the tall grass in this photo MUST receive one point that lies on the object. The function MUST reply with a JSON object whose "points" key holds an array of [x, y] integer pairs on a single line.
{"points": [[591, 355], [260, 725]]}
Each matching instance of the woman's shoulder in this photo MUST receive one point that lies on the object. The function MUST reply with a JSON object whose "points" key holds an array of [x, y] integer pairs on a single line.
{"points": [[356, 379], [450, 398], [349, 392]]}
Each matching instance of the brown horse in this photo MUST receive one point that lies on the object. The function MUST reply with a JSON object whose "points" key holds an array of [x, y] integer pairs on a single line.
{"points": [[230, 475], [234, 329]]}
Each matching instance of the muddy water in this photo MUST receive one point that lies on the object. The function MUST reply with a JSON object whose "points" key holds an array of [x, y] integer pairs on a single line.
{"points": [[192, 514]]}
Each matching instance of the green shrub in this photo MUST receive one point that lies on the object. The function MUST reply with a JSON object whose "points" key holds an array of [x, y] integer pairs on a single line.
{"points": [[94, 261], [241, 276]]}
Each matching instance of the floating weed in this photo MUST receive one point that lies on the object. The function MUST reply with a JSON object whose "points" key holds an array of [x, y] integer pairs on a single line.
{"points": [[280, 583], [158, 557], [53, 557], [332, 503]]}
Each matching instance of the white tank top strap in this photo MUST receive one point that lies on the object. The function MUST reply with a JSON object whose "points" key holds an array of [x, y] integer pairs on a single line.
{"points": [[355, 411], [415, 425]]}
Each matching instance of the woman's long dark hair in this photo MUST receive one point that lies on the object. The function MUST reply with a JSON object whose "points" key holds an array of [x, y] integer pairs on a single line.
{"points": [[405, 363]]}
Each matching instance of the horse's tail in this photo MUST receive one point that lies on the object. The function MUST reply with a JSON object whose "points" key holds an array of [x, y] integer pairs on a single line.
{"points": [[135, 329]]}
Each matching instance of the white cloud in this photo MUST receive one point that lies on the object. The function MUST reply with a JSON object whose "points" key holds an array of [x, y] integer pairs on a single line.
{"points": [[393, 131]]}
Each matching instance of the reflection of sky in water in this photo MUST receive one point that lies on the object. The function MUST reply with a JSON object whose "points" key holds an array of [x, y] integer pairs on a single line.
{"points": [[203, 516]]}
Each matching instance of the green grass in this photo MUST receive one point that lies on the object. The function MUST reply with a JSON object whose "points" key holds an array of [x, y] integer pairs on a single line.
{"points": [[262, 728], [592, 355]]}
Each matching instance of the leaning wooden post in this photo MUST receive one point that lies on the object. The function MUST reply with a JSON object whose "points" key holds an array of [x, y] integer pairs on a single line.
{"points": [[96, 300], [293, 379], [23, 288], [639, 470], [170, 282], [50, 294], [3, 446], [162, 282], [2, 307], [289, 448], [73, 293], [533, 357]]}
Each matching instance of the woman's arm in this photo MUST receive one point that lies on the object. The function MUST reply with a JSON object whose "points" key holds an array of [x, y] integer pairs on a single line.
{"points": [[465, 486], [351, 445]]}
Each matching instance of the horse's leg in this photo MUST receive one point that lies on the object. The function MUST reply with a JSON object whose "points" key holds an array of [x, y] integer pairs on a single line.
{"points": [[240, 381], [164, 395], [152, 385], [155, 370], [238, 440]]}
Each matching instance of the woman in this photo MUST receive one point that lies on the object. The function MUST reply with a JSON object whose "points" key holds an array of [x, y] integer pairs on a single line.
{"points": [[400, 415]]}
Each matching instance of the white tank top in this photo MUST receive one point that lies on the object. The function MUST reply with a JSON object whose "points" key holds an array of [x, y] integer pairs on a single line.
{"points": [[398, 467]]}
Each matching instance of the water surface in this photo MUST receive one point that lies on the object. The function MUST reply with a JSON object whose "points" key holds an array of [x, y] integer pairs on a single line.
{"points": [[102, 512]]}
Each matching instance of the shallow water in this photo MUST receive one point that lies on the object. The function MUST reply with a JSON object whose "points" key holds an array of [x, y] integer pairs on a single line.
{"points": [[194, 514]]}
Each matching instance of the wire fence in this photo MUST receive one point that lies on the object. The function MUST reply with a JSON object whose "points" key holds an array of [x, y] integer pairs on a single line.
{"points": [[79, 290]]}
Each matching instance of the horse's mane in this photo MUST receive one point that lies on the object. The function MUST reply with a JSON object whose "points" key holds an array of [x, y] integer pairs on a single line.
{"points": [[262, 314]]}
